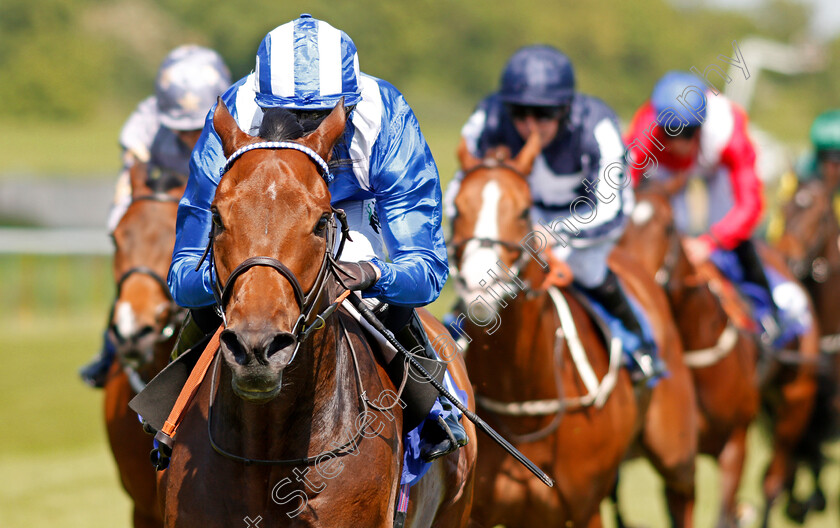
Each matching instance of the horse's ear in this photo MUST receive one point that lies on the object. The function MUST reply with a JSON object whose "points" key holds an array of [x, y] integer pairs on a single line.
{"points": [[465, 157], [229, 132], [524, 161], [138, 174], [323, 139]]}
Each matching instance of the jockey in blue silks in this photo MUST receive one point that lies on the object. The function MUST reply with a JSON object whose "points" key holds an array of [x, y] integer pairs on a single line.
{"points": [[390, 190], [161, 132]]}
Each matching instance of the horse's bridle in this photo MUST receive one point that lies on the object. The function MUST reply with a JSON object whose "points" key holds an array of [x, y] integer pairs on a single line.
{"points": [[307, 302], [813, 264], [484, 242], [309, 320], [177, 313]]}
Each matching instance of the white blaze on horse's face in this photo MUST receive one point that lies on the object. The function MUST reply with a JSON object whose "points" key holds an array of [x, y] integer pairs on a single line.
{"points": [[125, 319], [478, 259]]}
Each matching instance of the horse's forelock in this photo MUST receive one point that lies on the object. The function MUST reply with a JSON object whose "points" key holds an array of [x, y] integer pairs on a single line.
{"points": [[279, 124]]}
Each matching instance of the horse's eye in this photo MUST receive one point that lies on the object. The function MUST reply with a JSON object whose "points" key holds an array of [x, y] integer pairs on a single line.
{"points": [[322, 224], [526, 214], [217, 219]]}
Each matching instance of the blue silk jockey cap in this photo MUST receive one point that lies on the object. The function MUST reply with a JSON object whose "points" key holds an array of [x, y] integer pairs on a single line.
{"points": [[307, 64], [670, 88]]}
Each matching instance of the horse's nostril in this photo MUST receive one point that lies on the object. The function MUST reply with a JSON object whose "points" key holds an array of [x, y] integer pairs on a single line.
{"points": [[230, 340], [280, 342], [114, 334], [143, 332]]}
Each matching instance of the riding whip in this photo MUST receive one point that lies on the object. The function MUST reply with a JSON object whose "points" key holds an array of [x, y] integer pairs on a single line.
{"points": [[362, 308]]}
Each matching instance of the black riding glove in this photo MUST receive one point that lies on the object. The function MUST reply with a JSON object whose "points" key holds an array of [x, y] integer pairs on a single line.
{"points": [[360, 275]]}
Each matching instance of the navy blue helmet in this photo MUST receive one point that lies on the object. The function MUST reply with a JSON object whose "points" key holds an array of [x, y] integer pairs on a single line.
{"points": [[538, 76]]}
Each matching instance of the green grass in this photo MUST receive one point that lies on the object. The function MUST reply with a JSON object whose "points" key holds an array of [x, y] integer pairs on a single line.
{"points": [[58, 286], [55, 463], [642, 504], [49, 149], [90, 148]]}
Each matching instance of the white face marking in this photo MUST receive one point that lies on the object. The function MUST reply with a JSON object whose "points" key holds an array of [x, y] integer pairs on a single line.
{"points": [[126, 325], [643, 212], [476, 259], [272, 190]]}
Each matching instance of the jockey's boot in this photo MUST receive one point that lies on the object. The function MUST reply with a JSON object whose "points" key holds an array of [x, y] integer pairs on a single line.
{"points": [[754, 273], [612, 297], [95, 372], [199, 325], [441, 436]]}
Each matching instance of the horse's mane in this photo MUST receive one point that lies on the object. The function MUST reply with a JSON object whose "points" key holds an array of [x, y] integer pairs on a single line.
{"points": [[279, 124]]}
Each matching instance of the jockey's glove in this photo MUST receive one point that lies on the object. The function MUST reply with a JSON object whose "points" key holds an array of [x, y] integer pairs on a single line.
{"points": [[359, 276]]}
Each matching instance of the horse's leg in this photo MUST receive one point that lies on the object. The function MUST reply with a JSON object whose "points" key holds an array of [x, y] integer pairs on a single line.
{"points": [[791, 416], [670, 439], [731, 464], [789, 423], [145, 520], [595, 521], [619, 521], [817, 501]]}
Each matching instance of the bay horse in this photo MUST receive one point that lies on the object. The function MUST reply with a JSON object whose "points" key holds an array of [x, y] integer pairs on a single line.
{"points": [[296, 423], [722, 356], [809, 244], [143, 325], [529, 376], [786, 381]]}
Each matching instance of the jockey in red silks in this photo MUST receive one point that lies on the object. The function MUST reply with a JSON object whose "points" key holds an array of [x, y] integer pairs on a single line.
{"points": [[687, 131]]}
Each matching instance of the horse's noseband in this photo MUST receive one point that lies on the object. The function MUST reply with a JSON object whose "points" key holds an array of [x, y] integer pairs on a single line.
{"points": [[306, 302], [269, 263]]}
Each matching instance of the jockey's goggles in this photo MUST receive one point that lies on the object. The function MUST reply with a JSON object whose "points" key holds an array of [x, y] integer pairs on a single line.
{"points": [[687, 132], [828, 155]]}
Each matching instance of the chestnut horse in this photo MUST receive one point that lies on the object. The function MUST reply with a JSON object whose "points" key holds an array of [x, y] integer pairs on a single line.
{"points": [[809, 244], [525, 368], [721, 356], [296, 423], [143, 325], [787, 387]]}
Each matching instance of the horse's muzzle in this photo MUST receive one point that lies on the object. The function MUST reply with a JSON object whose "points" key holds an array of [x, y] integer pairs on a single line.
{"points": [[257, 360]]}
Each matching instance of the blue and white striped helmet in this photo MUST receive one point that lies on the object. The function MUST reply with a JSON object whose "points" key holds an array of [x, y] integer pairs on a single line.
{"points": [[307, 64], [188, 82]]}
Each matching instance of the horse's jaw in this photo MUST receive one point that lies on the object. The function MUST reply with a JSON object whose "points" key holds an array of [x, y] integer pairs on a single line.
{"points": [[257, 361], [253, 395]]}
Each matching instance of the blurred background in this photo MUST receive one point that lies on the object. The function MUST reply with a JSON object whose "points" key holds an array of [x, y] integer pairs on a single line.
{"points": [[71, 71]]}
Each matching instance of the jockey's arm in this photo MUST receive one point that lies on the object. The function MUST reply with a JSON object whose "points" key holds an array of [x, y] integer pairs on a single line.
{"points": [[404, 179], [189, 288], [739, 158], [641, 153], [604, 181]]}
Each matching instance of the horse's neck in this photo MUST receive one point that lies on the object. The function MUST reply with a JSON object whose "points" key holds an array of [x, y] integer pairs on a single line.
{"points": [[318, 401], [691, 301], [515, 361]]}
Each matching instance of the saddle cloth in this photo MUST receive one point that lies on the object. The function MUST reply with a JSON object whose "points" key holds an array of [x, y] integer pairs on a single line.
{"points": [[789, 298]]}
